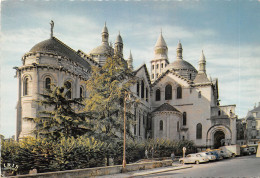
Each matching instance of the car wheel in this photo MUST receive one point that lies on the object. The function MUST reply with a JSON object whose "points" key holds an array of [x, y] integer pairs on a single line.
{"points": [[197, 162], [182, 162]]}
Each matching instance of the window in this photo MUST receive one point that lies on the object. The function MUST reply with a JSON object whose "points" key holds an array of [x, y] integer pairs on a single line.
{"points": [[178, 126], [157, 75], [219, 112], [48, 83], [161, 65], [81, 92], [183, 137], [190, 76], [146, 94], [158, 95], [199, 94], [157, 66], [168, 92], [137, 89], [152, 76], [161, 125], [184, 118], [142, 89], [26, 86], [153, 66], [179, 92], [68, 87], [199, 131]]}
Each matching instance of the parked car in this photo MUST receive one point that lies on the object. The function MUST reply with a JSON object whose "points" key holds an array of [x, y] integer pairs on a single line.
{"points": [[193, 158], [234, 149], [208, 155], [217, 154], [225, 153]]}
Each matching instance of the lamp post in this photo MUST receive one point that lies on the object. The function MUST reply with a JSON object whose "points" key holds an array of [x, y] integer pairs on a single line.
{"points": [[124, 160]]}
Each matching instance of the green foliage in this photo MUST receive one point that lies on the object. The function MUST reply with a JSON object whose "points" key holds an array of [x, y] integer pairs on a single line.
{"points": [[104, 104], [46, 156], [59, 116]]}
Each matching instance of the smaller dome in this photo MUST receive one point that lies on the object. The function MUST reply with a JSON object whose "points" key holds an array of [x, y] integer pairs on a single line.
{"points": [[102, 49], [119, 39], [180, 65]]}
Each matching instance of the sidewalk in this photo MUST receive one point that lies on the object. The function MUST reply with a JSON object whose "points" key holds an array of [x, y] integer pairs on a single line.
{"points": [[147, 172]]}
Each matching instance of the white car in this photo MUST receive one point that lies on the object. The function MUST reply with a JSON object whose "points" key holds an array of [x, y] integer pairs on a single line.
{"points": [[193, 158], [209, 156]]}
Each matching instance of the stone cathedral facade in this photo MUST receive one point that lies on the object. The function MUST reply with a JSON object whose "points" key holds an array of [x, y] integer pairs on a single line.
{"points": [[178, 101]]}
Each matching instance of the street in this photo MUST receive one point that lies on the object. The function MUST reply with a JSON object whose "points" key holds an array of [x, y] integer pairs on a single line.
{"points": [[244, 166]]}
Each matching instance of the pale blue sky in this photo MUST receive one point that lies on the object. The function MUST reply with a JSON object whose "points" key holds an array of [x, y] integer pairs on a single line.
{"points": [[227, 31]]}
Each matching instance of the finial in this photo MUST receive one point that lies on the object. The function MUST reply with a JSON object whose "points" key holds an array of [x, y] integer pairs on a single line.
{"points": [[52, 26]]}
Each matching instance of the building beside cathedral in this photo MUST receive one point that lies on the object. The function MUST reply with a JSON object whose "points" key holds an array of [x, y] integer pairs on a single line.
{"points": [[178, 101]]}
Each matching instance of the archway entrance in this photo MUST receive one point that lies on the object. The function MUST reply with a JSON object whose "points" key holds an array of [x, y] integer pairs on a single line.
{"points": [[218, 136]]}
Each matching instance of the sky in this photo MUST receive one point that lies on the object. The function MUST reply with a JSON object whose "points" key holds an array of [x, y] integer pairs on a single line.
{"points": [[228, 32]]}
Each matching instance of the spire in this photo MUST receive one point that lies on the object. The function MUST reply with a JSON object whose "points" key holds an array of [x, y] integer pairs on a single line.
{"points": [[52, 26], [202, 63], [160, 41], [105, 34], [119, 38], [161, 49], [130, 61], [179, 51], [119, 45]]}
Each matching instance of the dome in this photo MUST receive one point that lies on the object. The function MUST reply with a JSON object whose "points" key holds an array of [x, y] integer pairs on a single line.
{"points": [[180, 65], [101, 50], [56, 47]]}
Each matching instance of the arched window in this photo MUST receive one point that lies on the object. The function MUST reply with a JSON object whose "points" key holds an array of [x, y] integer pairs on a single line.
{"points": [[142, 89], [81, 92], [146, 95], [158, 95], [199, 94], [178, 126], [161, 125], [168, 92], [199, 131], [26, 86], [48, 83], [179, 92], [190, 76], [184, 118], [137, 88], [68, 89], [162, 65], [219, 112]]}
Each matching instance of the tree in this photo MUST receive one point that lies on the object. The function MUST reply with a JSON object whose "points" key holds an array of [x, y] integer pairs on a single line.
{"points": [[60, 116], [104, 104]]}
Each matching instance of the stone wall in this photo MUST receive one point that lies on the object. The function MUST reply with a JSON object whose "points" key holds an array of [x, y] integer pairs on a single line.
{"points": [[91, 172]]}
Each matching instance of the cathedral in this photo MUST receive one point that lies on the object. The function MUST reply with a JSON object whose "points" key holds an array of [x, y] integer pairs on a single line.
{"points": [[178, 101]]}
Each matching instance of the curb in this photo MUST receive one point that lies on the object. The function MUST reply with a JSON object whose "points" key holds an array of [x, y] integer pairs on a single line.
{"points": [[159, 171]]}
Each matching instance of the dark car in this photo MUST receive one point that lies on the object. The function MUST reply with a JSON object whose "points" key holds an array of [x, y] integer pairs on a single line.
{"points": [[217, 154]]}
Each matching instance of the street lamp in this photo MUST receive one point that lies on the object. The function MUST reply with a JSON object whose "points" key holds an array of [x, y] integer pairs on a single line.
{"points": [[126, 97], [124, 160]]}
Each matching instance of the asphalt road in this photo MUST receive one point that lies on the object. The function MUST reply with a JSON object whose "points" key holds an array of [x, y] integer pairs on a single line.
{"points": [[245, 166]]}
